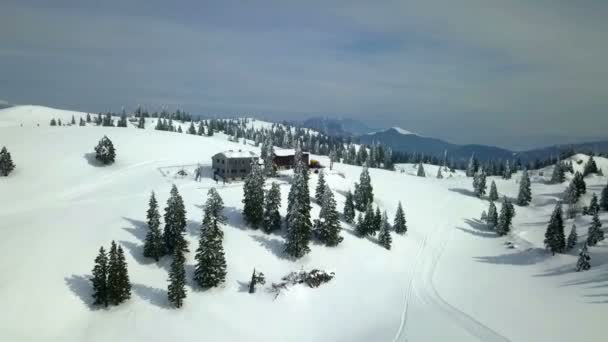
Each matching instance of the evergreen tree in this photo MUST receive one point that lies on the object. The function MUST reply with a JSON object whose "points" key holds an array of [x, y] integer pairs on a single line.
{"points": [[256, 278], [364, 192], [201, 129], [604, 198], [507, 212], [118, 285], [384, 237], [320, 188], [492, 216], [191, 129], [210, 269], [377, 222], [420, 172], [153, 246], [100, 279], [369, 221], [53, 122], [253, 197], [360, 230], [176, 291], [470, 172], [439, 175], [104, 151], [583, 263], [493, 196], [175, 222], [58, 122], [572, 238], [179, 129], [73, 122], [571, 198], [593, 204], [558, 175], [298, 214], [272, 203], [579, 182], [507, 172], [525, 193], [595, 234], [349, 208], [479, 183], [590, 167], [555, 239], [124, 284], [399, 224], [81, 122], [141, 123], [88, 118], [6, 162], [328, 226], [122, 122]]}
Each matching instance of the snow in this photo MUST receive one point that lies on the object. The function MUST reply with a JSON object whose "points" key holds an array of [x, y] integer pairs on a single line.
{"points": [[398, 129], [446, 279], [239, 154]]}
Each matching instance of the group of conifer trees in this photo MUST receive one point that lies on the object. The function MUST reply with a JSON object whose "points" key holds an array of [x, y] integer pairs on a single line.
{"points": [[110, 279]]}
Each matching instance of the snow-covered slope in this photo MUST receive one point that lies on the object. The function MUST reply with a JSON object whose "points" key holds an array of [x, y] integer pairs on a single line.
{"points": [[446, 279]]}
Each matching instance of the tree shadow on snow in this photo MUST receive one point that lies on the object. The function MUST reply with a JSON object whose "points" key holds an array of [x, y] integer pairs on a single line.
{"points": [[479, 228], [152, 295], [465, 192], [139, 229], [243, 286], [90, 158], [273, 245], [81, 287], [137, 252], [528, 256], [235, 218]]}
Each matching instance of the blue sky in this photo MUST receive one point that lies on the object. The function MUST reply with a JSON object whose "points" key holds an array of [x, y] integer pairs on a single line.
{"points": [[509, 73]]}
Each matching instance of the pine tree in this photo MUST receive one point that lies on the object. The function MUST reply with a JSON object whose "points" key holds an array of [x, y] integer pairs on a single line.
{"points": [[377, 222], [571, 198], [364, 192], [492, 216], [53, 122], [579, 182], [179, 129], [100, 279], [479, 183], [6, 162], [558, 175], [175, 222], [119, 288], [369, 220], [590, 167], [399, 224], [470, 172], [384, 237], [327, 227], [124, 284], [507, 212], [153, 246], [572, 238], [176, 291], [525, 193], [349, 208], [595, 234], [191, 129], [604, 199], [420, 172], [210, 269], [507, 173], [104, 151], [81, 122], [73, 122], [593, 204], [253, 197], [493, 196], [141, 124], [555, 239], [583, 263], [298, 211], [360, 229], [320, 187], [439, 175], [88, 118], [272, 203]]}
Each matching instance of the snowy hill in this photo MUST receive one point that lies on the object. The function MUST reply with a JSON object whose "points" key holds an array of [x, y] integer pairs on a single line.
{"points": [[447, 279]]}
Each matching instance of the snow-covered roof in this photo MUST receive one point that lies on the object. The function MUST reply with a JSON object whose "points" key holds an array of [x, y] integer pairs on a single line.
{"points": [[238, 154], [286, 152]]}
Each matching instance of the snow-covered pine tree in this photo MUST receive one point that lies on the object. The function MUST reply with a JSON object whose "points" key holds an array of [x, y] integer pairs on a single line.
{"points": [[191, 129], [328, 227], [583, 263], [492, 218], [210, 269], [124, 284], [272, 203], [53, 122], [176, 290], [364, 192], [88, 118], [201, 129], [571, 198], [333, 157], [384, 237], [113, 275], [479, 183], [590, 167], [525, 193], [154, 245], [439, 175], [81, 122], [298, 212], [399, 224], [321, 186], [73, 122], [572, 238], [593, 204], [558, 175], [349, 208], [122, 122], [484, 216], [360, 230], [604, 198], [470, 172], [179, 129], [253, 197], [377, 223], [175, 222], [369, 220], [141, 123], [6, 162], [58, 122], [507, 212], [105, 151], [579, 182], [100, 279], [493, 196], [420, 172], [555, 239], [595, 234], [507, 173]]}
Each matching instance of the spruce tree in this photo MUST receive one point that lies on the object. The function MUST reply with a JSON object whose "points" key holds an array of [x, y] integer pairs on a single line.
{"points": [[593, 205], [384, 237], [505, 219], [6, 162], [558, 175], [439, 175], [253, 197], [369, 220], [298, 224], [507, 172], [53, 122], [479, 183], [105, 151], [272, 203], [572, 238], [176, 291], [595, 234], [191, 129], [210, 269], [328, 226], [420, 172], [175, 222], [604, 199], [583, 263], [579, 182], [590, 167], [124, 284], [116, 282], [349, 208], [492, 216], [364, 192], [399, 224], [154, 245], [88, 118], [525, 193], [493, 196], [360, 230], [555, 239], [571, 198], [320, 188], [73, 122], [377, 222], [100, 279]]}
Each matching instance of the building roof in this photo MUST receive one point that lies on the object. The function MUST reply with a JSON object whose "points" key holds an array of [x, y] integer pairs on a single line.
{"points": [[238, 154], [286, 152]]}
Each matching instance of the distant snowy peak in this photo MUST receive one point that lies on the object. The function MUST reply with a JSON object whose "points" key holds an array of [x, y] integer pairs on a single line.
{"points": [[396, 129]]}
